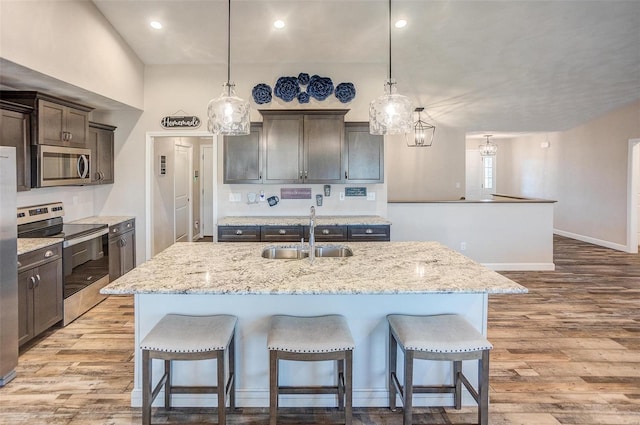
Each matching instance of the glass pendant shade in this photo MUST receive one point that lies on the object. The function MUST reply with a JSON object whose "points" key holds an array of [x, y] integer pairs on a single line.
{"points": [[390, 113], [488, 148], [423, 133], [228, 114]]}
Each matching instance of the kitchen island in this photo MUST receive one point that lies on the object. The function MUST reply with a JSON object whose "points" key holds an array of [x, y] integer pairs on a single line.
{"points": [[380, 278]]}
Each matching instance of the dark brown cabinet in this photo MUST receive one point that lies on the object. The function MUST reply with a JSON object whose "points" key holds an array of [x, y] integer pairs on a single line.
{"points": [[377, 233], [364, 154], [243, 157], [100, 142], [122, 249], [40, 296], [15, 131], [55, 121], [329, 233], [238, 233], [303, 147], [281, 233]]}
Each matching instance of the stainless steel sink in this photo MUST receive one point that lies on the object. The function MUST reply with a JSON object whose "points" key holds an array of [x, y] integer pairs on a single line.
{"points": [[284, 253], [333, 251], [295, 252]]}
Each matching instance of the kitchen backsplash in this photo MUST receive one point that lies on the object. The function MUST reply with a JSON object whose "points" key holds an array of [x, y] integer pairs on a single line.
{"points": [[331, 205]]}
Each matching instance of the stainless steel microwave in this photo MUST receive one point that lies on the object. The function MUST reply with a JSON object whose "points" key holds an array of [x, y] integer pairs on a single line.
{"points": [[60, 166]]}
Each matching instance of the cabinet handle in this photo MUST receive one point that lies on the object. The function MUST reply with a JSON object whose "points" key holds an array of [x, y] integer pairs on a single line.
{"points": [[48, 254], [128, 225], [19, 264], [301, 174], [325, 231], [70, 136], [345, 175], [368, 231], [101, 175], [305, 175], [38, 278], [115, 230], [32, 282], [238, 232], [282, 232]]}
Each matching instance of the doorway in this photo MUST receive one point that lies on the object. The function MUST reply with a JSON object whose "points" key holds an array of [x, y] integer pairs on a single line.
{"points": [[207, 157], [174, 186]]}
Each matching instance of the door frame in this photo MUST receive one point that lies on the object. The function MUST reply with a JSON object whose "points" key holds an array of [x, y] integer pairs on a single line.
{"points": [[149, 154], [203, 146], [633, 186]]}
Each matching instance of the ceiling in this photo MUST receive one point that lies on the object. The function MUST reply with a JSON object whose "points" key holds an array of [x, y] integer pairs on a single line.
{"points": [[510, 65]]}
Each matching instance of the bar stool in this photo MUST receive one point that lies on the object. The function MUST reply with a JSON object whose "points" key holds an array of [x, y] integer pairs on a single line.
{"points": [[447, 337], [178, 337], [311, 339]]}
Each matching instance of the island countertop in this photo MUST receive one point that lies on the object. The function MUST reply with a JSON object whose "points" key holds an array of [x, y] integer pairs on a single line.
{"points": [[374, 268], [321, 220]]}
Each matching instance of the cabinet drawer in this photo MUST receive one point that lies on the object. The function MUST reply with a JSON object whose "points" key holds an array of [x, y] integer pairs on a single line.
{"points": [[118, 229], [328, 233], [238, 233], [369, 233], [40, 256], [281, 233]]}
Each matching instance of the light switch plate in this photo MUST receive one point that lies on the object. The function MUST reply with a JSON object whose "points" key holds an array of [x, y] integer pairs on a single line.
{"points": [[371, 196], [342, 196], [235, 197]]}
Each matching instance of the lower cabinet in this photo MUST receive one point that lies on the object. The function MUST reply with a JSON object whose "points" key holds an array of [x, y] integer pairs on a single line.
{"points": [[122, 249], [39, 295], [332, 233]]}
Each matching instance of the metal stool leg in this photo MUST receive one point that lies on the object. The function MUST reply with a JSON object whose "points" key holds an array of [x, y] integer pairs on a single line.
{"points": [[341, 383], [222, 405], [232, 372], [483, 389], [273, 387], [348, 387], [167, 385], [146, 388], [457, 382], [408, 387], [393, 358]]}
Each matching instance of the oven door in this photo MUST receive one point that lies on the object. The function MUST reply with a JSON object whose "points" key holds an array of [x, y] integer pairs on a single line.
{"points": [[61, 166], [86, 270]]}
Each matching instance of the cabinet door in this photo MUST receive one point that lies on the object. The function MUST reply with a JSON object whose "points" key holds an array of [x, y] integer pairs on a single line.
{"points": [[77, 127], [323, 141], [51, 123], [364, 162], [243, 157], [100, 142], [115, 258], [47, 300], [283, 148], [128, 259], [25, 307], [14, 131]]}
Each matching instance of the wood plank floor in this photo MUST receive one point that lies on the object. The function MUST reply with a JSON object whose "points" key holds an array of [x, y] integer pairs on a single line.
{"points": [[566, 353]]}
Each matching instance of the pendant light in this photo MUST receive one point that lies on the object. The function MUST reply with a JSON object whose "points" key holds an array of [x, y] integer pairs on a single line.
{"points": [[488, 148], [422, 133], [391, 113], [228, 114]]}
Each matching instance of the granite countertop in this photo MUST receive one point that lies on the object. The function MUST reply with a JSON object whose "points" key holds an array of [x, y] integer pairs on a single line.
{"points": [[31, 244], [496, 198], [321, 220], [108, 220], [374, 268]]}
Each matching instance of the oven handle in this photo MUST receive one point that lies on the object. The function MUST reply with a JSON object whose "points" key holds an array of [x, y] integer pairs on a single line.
{"points": [[88, 237], [82, 173]]}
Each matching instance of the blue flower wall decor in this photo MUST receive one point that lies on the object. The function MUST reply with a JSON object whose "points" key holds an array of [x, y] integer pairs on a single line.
{"points": [[345, 92], [287, 88], [290, 88], [320, 87], [261, 93]]}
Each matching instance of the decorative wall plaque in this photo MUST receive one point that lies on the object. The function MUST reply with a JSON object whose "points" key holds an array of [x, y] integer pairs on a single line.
{"points": [[179, 121], [355, 191], [295, 193]]}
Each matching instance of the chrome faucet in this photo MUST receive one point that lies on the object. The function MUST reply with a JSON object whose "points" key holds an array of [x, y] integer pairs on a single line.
{"points": [[312, 238]]}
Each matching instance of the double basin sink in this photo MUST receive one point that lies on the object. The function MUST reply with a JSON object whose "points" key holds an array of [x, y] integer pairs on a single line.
{"points": [[293, 252]]}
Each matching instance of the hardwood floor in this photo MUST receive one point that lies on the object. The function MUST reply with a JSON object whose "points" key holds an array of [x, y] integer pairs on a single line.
{"points": [[566, 353]]}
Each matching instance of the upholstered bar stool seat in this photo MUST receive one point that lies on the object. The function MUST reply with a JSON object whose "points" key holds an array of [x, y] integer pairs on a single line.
{"points": [[316, 338], [446, 337], [180, 337]]}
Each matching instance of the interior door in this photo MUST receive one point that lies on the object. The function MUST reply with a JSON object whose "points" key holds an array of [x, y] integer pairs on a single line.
{"points": [[182, 192], [473, 172], [207, 190]]}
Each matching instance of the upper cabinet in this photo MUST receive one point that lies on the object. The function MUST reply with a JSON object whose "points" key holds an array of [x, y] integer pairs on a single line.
{"points": [[100, 142], [15, 131], [243, 157], [364, 154], [55, 121], [303, 147]]}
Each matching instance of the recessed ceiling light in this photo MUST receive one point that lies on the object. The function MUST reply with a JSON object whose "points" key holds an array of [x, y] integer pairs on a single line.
{"points": [[155, 25], [279, 24], [401, 23]]}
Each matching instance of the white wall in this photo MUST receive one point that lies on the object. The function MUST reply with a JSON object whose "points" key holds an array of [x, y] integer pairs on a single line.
{"points": [[584, 169], [71, 41]]}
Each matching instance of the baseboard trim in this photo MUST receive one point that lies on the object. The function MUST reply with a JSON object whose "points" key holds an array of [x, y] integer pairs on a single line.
{"points": [[595, 241]]}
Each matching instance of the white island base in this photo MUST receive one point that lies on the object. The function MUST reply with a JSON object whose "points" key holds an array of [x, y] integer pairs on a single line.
{"points": [[365, 314]]}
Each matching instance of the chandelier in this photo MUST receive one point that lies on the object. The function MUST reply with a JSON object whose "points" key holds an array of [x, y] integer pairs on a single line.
{"points": [[422, 133], [390, 113], [228, 114], [488, 148]]}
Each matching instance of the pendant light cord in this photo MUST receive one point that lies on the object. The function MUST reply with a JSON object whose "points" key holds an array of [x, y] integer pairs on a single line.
{"points": [[390, 42], [229, 48]]}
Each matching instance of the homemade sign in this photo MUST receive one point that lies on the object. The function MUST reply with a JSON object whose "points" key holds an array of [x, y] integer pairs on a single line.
{"points": [[355, 191], [180, 121]]}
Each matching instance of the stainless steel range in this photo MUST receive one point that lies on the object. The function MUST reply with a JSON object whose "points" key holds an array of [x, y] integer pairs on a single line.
{"points": [[85, 254]]}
